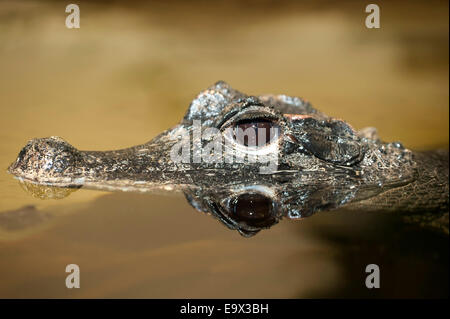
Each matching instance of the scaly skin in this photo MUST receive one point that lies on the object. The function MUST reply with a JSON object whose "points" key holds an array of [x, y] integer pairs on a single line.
{"points": [[321, 164], [425, 200]]}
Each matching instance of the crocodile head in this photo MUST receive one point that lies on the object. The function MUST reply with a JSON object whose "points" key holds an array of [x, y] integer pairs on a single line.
{"points": [[248, 161]]}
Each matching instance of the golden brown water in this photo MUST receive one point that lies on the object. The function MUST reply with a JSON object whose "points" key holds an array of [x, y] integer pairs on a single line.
{"points": [[131, 71]]}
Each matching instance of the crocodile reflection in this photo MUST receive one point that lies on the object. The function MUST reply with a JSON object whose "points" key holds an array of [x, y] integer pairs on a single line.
{"points": [[322, 163], [250, 208]]}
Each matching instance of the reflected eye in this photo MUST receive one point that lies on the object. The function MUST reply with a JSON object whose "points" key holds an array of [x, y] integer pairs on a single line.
{"points": [[253, 209], [255, 132]]}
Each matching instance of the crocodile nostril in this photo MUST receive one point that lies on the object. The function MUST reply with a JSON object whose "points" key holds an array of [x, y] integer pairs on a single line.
{"points": [[21, 155]]}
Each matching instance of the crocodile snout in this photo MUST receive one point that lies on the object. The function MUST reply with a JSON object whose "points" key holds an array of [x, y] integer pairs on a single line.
{"points": [[45, 159]]}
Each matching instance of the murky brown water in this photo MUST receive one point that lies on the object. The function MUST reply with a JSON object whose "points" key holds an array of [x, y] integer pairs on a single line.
{"points": [[130, 72]]}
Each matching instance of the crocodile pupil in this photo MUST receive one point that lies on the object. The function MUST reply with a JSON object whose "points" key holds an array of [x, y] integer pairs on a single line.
{"points": [[253, 209], [253, 132]]}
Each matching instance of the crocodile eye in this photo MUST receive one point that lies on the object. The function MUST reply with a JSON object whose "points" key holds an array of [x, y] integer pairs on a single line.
{"points": [[255, 132], [253, 209]]}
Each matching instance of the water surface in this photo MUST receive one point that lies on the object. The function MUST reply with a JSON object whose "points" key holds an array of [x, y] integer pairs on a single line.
{"points": [[130, 72]]}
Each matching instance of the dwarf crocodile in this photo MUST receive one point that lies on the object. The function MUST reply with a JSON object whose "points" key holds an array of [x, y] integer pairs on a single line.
{"points": [[319, 163]]}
